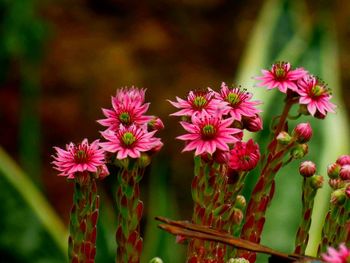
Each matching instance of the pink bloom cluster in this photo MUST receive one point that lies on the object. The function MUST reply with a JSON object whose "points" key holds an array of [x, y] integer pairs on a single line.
{"points": [[129, 132], [312, 92], [337, 256], [79, 158], [215, 122]]}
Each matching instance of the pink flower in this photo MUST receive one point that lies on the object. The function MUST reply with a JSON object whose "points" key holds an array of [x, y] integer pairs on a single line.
{"points": [[206, 134], [129, 141], [337, 256], [80, 158], [238, 101], [281, 76], [244, 156], [315, 95], [198, 102], [128, 108], [302, 132]]}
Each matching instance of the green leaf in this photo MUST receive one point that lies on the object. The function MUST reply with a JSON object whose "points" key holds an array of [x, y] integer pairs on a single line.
{"points": [[31, 231]]}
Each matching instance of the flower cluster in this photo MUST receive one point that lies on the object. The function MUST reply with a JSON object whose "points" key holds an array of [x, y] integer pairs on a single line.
{"points": [[311, 92], [215, 121], [129, 131]]}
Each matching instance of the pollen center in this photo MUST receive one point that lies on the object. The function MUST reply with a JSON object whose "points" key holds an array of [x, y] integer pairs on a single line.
{"points": [[317, 90], [80, 156], [280, 73], [128, 138], [233, 99], [208, 131], [124, 118], [199, 102]]}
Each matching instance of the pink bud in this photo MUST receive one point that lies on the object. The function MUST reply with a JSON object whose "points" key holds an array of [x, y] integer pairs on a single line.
{"points": [[220, 156], [347, 191], [344, 159], [155, 124], [333, 170], [307, 169], [345, 172], [253, 124], [316, 181], [302, 132]]}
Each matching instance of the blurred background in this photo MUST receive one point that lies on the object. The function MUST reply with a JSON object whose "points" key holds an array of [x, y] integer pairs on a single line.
{"points": [[61, 61]]}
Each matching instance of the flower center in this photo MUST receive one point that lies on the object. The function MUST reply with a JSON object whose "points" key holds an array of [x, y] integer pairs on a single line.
{"points": [[233, 99], [124, 118], [80, 156], [208, 131], [280, 72], [317, 90], [199, 102], [128, 138]]}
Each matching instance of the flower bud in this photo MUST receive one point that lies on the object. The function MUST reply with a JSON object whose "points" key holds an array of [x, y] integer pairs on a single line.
{"points": [[283, 138], [347, 191], [307, 168], [253, 124], [237, 124], [300, 151], [155, 124], [344, 159], [336, 183], [316, 181], [220, 157], [237, 216], [238, 260], [345, 172], [123, 163], [302, 132], [156, 260], [333, 170], [338, 197], [144, 160], [319, 115], [240, 202]]}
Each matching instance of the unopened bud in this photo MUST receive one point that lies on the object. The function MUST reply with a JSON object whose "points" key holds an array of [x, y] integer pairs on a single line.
{"points": [[237, 216], [316, 181], [333, 170], [319, 115], [336, 183], [253, 124], [283, 138], [144, 160], [237, 124], [307, 169], [123, 163], [347, 191], [220, 157], [338, 197], [302, 132], [156, 260], [300, 151], [238, 260], [240, 202], [343, 160], [155, 124], [345, 172]]}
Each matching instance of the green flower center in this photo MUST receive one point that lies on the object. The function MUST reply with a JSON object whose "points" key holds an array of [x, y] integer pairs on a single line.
{"points": [[208, 131], [233, 99], [200, 101], [80, 156], [128, 138], [280, 72], [317, 90], [124, 118]]}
